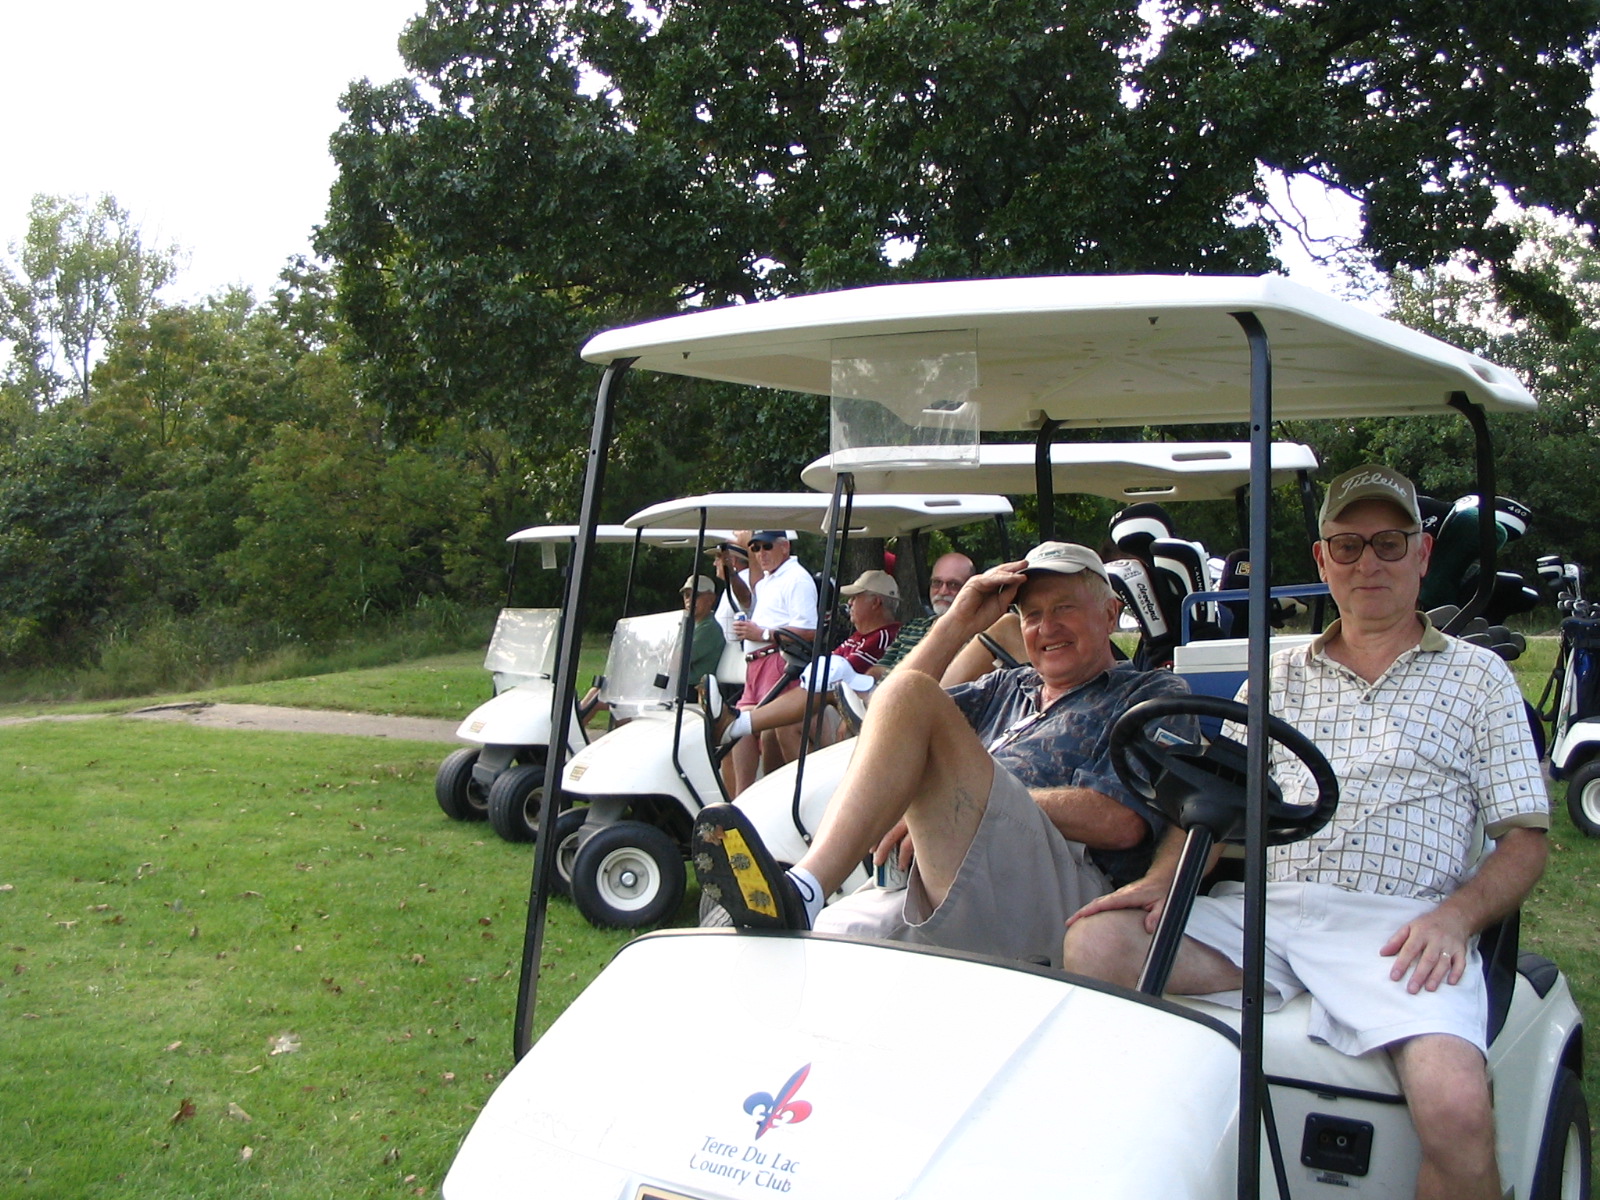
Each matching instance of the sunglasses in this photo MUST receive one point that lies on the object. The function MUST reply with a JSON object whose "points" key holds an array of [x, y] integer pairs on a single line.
{"points": [[761, 545], [1388, 544]]}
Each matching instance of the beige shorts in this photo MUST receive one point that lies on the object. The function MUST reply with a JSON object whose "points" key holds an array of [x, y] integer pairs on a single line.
{"points": [[1017, 885], [1324, 940]]}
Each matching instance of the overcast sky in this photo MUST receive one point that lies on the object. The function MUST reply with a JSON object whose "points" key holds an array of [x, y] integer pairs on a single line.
{"points": [[208, 121]]}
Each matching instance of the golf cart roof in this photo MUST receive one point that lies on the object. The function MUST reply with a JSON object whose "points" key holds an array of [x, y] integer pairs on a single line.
{"points": [[1123, 471], [870, 515], [618, 534], [1091, 350]]}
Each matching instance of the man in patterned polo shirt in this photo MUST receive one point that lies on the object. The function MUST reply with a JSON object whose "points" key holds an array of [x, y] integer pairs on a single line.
{"points": [[1377, 914], [1003, 785]]}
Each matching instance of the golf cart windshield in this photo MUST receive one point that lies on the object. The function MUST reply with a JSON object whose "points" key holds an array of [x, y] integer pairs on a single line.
{"points": [[639, 648], [524, 642]]}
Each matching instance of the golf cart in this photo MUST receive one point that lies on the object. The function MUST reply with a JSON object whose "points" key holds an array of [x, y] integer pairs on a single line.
{"points": [[500, 777], [824, 1067], [780, 805], [645, 782], [1573, 694]]}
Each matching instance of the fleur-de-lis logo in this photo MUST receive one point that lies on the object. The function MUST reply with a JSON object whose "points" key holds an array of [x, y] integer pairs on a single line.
{"points": [[782, 1109]]}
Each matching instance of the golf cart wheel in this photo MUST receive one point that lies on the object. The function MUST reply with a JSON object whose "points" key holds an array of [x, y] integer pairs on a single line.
{"points": [[1563, 1171], [567, 826], [453, 786], [514, 801], [1583, 797], [628, 875]]}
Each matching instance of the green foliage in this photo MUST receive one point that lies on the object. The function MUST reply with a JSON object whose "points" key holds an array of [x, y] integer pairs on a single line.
{"points": [[340, 529], [1543, 459], [82, 269], [69, 539], [553, 168]]}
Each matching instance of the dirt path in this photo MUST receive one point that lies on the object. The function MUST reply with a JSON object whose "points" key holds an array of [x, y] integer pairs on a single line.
{"points": [[282, 720]]}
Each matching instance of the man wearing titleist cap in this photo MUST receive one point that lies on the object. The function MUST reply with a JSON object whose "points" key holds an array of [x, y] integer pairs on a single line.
{"points": [[1377, 914], [1003, 786], [785, 598]]}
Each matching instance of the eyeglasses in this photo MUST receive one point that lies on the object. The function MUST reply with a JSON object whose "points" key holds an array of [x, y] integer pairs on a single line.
{"points": [[1388, 544], [761, 545]]}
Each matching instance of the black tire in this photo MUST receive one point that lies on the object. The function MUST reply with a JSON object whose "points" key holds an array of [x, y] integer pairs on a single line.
{"points": [[1583, 797], [514, 801], [454, 789], [628, 875], [1563, 1170], [567, 826]]}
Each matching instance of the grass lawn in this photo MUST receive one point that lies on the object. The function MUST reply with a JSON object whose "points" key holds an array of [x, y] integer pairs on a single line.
{"points": [[247, 963]]}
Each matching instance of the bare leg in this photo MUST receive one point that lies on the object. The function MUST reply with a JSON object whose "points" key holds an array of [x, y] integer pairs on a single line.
{"points": [[1111, 945], [916, 758], [745, 757], [784, 743], [787, 709], [1447, 1087]]}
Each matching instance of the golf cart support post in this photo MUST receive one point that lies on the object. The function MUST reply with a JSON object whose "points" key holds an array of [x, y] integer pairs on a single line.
{"points": [[1373, 367]]}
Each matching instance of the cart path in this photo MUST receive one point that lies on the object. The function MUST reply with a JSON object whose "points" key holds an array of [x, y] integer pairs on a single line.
{"points": [[280, 720]]}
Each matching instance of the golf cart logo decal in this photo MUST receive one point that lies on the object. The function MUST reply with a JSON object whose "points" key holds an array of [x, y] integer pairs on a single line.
{"points": [[782, 1109]]}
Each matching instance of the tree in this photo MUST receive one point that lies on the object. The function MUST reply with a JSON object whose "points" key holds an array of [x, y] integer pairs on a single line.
{"points": [[1541, 458], [82, 269], [553, 168]]}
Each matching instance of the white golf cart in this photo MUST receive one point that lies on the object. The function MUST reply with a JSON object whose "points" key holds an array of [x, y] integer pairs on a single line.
{"points": [[785, 806], [500, 777], [645, 782], [823, 1067]]}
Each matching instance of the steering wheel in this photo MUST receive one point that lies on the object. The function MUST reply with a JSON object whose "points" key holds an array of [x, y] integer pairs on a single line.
{"points": [[795, 649], [1001, 655], [1205, 785]]}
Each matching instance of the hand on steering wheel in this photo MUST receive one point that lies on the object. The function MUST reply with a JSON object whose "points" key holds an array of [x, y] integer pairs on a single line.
{"points": [[1191, 784]]}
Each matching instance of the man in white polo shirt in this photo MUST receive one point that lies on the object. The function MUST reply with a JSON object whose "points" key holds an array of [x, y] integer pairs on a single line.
{"points": [[785, 598]]}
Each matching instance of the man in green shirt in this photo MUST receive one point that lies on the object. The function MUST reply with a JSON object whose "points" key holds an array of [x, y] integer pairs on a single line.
{"points": [[700, 595]]}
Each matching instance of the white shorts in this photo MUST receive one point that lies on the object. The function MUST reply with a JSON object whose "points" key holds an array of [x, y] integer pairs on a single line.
{"points": [[1325, 940]]}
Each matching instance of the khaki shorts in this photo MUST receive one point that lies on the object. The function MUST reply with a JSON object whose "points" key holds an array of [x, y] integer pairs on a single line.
{"points": [[1324, 940], [1017, 885]]}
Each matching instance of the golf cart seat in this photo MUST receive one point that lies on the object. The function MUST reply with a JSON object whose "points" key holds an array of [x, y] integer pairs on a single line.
{"points": [[1291, 1057]]}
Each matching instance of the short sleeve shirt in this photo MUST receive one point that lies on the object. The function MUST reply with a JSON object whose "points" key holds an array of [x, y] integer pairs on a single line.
{"points": [[1069, 744], [912, 632], [786, 597], [1439, 742]]}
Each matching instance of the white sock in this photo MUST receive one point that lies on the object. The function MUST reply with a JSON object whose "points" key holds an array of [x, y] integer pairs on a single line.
{"points": [[810, 891], [740, 727]]}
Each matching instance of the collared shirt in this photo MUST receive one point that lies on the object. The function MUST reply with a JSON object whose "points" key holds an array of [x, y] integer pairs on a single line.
{"points": [[1069, 743], [1437, 743], [912, 632], [785, 597], [863, 650]]}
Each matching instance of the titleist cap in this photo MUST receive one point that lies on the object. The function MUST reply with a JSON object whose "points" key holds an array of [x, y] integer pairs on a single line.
{"points": [[1369, 482]]}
